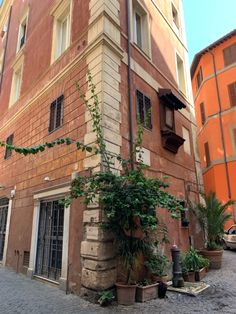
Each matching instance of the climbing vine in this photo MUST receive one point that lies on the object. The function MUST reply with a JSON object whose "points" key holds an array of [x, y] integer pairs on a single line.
{"points": [[129, 199]]}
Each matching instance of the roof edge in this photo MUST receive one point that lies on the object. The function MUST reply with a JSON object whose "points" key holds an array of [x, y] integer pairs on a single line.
{"points": [[198, 56]]}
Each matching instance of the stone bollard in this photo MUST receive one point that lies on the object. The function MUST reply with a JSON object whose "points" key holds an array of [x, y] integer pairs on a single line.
{"points": [[177, 279]]}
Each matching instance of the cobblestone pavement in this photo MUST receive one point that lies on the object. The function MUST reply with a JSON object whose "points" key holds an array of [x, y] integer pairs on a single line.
{"points": [[20, 295]]}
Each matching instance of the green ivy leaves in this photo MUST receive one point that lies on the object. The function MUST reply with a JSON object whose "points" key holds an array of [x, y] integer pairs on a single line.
{"points": [[41, 147]]}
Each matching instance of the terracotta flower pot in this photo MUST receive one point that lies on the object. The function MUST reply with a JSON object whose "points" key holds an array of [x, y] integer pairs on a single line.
{"points": [[199, 275], [156, 278], [146, 293], [214, 257], [125, 293]]}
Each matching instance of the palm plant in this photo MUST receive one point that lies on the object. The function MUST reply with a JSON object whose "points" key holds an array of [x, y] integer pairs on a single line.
{"points": [[212, 216]]}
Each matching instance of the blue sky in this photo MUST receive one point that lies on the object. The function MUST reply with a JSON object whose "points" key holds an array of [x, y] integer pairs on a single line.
{"points": [[206, 21]]}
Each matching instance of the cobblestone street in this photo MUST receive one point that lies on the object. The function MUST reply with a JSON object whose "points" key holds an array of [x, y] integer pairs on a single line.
{"points": [[19, 294]]}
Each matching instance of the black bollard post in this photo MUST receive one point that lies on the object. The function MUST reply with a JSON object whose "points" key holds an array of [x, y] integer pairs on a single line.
{"points": [[177, 279]]}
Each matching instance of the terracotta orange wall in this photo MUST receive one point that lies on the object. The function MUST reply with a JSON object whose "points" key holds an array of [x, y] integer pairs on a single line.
{"points": [[215, 175]]}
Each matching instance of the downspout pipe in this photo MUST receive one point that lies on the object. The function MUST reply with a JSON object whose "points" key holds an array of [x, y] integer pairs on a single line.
{"points": [[221, 125], [130, 111], [5, 51]]}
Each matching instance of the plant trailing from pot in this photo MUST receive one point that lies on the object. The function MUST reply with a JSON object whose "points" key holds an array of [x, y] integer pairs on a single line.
{"points": [[105, 298], [212, 216]]}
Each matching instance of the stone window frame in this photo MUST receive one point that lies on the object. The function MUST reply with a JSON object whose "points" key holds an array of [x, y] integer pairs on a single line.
{"points": [[187, 142], [61, 12], [17, 77], [49, 194], [137, 7], [184, 90], [175, 25], [23, 24]]}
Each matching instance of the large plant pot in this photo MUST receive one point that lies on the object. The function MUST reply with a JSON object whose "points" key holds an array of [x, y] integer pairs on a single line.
{"points": [[125, 293], [146, 293], [214, 257], [199, 275]]}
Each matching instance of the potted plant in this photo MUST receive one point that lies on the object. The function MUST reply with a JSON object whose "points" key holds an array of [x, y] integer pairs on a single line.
{"points": [[193, 265], [157, 264], [128, 199], [202, 265], [146, 290], [187, 267], [212, 216]]}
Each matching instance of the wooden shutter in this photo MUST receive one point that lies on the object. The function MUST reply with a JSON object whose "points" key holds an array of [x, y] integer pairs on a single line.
{"points": [[56, 114], [59, 106], [207, 154], [232, 94], [234, 134], [230, 54], [8, 151], [140, 106], [52, 116], [199, 78], [148, 112], [203, 114]]}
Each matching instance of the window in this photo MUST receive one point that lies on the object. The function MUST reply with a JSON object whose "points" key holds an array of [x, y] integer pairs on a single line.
{"points": [[22, 33], [199, 78], [207, 154], [169, 118], [234, 136], [8, 151], [203, 114], [180, 74], [16, 81], [144, 109], [186, 136], [56, 114], [184, 215], [62, 28], [1, 61], [141, 34], [232, 94], [175, 16], [229, 55]]}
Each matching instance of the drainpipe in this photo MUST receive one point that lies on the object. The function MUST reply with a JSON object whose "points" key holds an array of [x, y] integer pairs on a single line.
{"points": [[5, 51], [129, 86], [221, 125]]}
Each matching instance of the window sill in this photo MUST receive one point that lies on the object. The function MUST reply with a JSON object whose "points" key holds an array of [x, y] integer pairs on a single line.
{"points": [[57, 59], [54, 130], [145, 54]]}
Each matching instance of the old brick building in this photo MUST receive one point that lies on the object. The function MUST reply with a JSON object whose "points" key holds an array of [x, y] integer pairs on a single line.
{"points": [[136, 52], [213, 74]]}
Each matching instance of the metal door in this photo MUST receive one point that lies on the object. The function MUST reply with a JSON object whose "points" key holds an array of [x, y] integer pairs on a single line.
{"points": [[3, 222], [50, 240]]}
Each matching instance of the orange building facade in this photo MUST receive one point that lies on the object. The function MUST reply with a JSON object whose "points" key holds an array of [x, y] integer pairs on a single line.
{"points": [[213, 73]]}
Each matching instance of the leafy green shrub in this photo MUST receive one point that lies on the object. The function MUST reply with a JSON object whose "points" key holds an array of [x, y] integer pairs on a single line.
{"points": [[193, 261], [106, 298], [212, 216], [157, 264]]}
